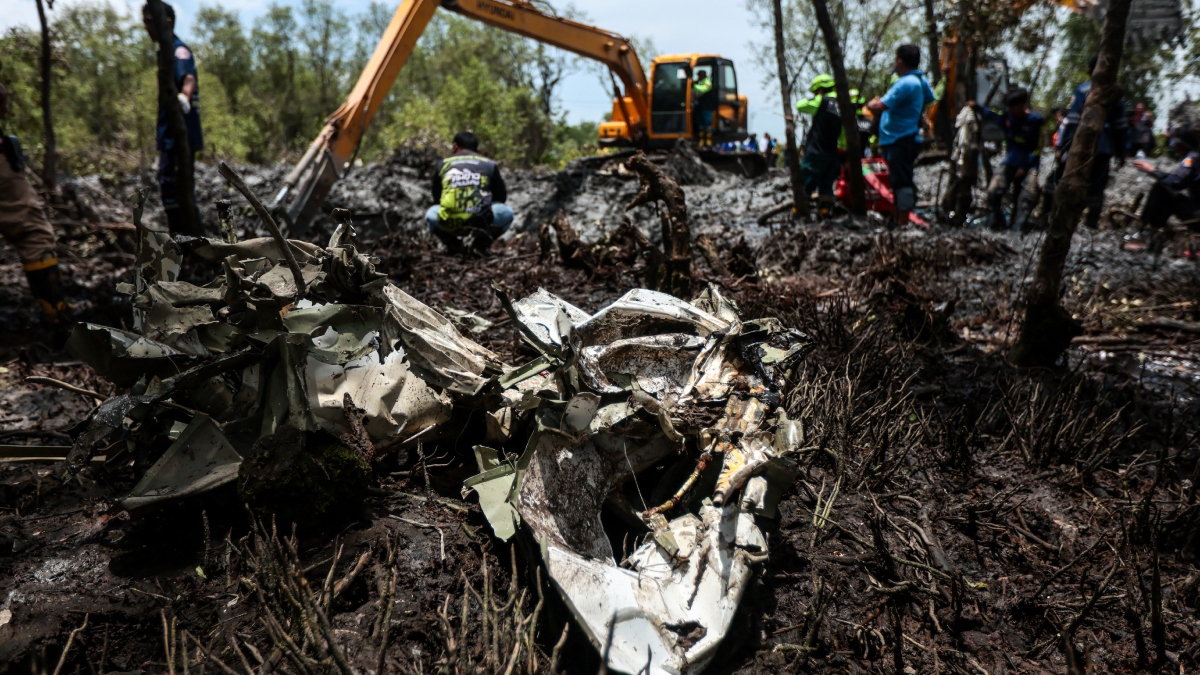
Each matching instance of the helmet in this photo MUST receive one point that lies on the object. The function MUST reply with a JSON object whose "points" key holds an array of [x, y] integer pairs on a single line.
{"points": [[856, 97], [822, 81]]}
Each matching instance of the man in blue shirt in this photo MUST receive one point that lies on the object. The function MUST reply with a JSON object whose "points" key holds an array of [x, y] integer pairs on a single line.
{"points": [[189, 101], [1022, 139], [1112, 144], [899, 113]]}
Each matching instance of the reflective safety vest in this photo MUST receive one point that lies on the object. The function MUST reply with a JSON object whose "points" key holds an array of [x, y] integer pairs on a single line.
{"points": [[702, 87]]}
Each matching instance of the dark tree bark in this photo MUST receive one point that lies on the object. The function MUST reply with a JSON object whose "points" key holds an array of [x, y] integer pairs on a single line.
{"points": [[858, 199], [791, 156], [931, 34], [50, 162], [168, 98], [1047, 329]]}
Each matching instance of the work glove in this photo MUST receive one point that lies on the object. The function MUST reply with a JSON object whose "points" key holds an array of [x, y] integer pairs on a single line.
{"points": [[185, 104]]}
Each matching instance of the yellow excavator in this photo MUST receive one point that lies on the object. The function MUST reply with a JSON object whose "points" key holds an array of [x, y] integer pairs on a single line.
{"points": [[649, 114]]}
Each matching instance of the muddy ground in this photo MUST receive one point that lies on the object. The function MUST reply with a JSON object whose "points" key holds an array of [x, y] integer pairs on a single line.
{"points": [[953, 514]]}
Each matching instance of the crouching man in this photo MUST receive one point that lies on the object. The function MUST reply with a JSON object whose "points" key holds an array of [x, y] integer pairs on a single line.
{"points": [[470, 197], [1177, 193]]}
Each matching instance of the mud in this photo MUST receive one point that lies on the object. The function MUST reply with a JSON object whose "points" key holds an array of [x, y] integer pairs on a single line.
{"points": [[966, 511]]}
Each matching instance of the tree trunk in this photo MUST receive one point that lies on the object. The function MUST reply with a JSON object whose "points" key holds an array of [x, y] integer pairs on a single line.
{"points": [[791, 155], [1047, 329], [931, 33], [858, 199], [168, 99], [50, 161]]}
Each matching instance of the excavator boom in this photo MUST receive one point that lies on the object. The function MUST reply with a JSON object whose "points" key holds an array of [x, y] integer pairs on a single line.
{"points": [[328, 156]]}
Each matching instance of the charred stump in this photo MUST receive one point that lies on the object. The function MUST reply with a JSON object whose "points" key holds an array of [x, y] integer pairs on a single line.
{"points": [[571, 250], [668, 269], [1047, 329]]}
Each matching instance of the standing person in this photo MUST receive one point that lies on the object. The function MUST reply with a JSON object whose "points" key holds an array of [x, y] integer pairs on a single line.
{"points": [[899, 112], [470, 196], [769, 149], [1144, 143], [821, 163], [1112, 145], [1060, 123], [169, 156], [24, 225], [1023, 144], [705, 104], [752, 143]]}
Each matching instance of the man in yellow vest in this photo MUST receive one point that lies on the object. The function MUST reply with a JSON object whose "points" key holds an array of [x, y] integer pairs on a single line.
{"points": [[821, 163], [705, 104]]}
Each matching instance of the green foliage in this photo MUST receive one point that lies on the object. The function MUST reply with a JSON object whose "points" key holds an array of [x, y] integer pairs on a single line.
{"points": [[1145, 69], [870, 31], [104, 91], [267, 88]]}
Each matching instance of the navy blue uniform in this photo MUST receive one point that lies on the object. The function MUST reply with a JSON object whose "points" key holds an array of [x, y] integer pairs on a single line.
{"points": [[1112, 143], [168, 156], [1022, 141], [1175, 194]]}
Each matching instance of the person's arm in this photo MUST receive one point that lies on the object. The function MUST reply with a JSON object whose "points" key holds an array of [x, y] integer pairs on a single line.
{"points": [[989, 115], [808, 106], [499, 189], [435, 188], [1147, 167], [889, 100]]}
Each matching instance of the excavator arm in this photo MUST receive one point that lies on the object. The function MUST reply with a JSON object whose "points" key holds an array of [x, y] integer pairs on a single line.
{"points": [[329, 155]]}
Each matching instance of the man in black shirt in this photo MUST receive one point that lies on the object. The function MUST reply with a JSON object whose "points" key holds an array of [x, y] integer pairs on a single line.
{"points": [[470, 195], [821, 162]]}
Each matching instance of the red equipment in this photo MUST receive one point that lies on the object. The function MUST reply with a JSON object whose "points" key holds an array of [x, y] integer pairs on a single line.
{"points": [[879, 189]]}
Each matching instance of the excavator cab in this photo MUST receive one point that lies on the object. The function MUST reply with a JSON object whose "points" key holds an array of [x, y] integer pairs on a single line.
{"points": [[674, 107]]}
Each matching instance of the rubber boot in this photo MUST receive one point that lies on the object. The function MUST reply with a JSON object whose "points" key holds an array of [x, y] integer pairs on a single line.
{"points": [[451, 242], [45, 283], [825, 204]]}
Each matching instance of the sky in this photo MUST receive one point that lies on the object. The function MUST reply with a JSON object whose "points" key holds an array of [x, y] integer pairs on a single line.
{"points": [[723, 27]]}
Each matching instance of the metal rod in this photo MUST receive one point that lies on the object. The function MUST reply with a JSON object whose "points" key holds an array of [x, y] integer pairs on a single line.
{"points": [[237, 182]]}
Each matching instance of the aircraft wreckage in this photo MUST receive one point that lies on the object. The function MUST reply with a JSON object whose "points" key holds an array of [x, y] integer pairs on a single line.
{"points": [[301, 356]]}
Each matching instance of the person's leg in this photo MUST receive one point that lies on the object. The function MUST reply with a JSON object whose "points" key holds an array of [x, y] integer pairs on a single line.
{"points": [[433, 222], [23, 223], [1001, 182], [1162, 202], [502, 219], [830, 167], [901, 160], [1095, 197], [1025, 200], [431, 218], [810, 174]]}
